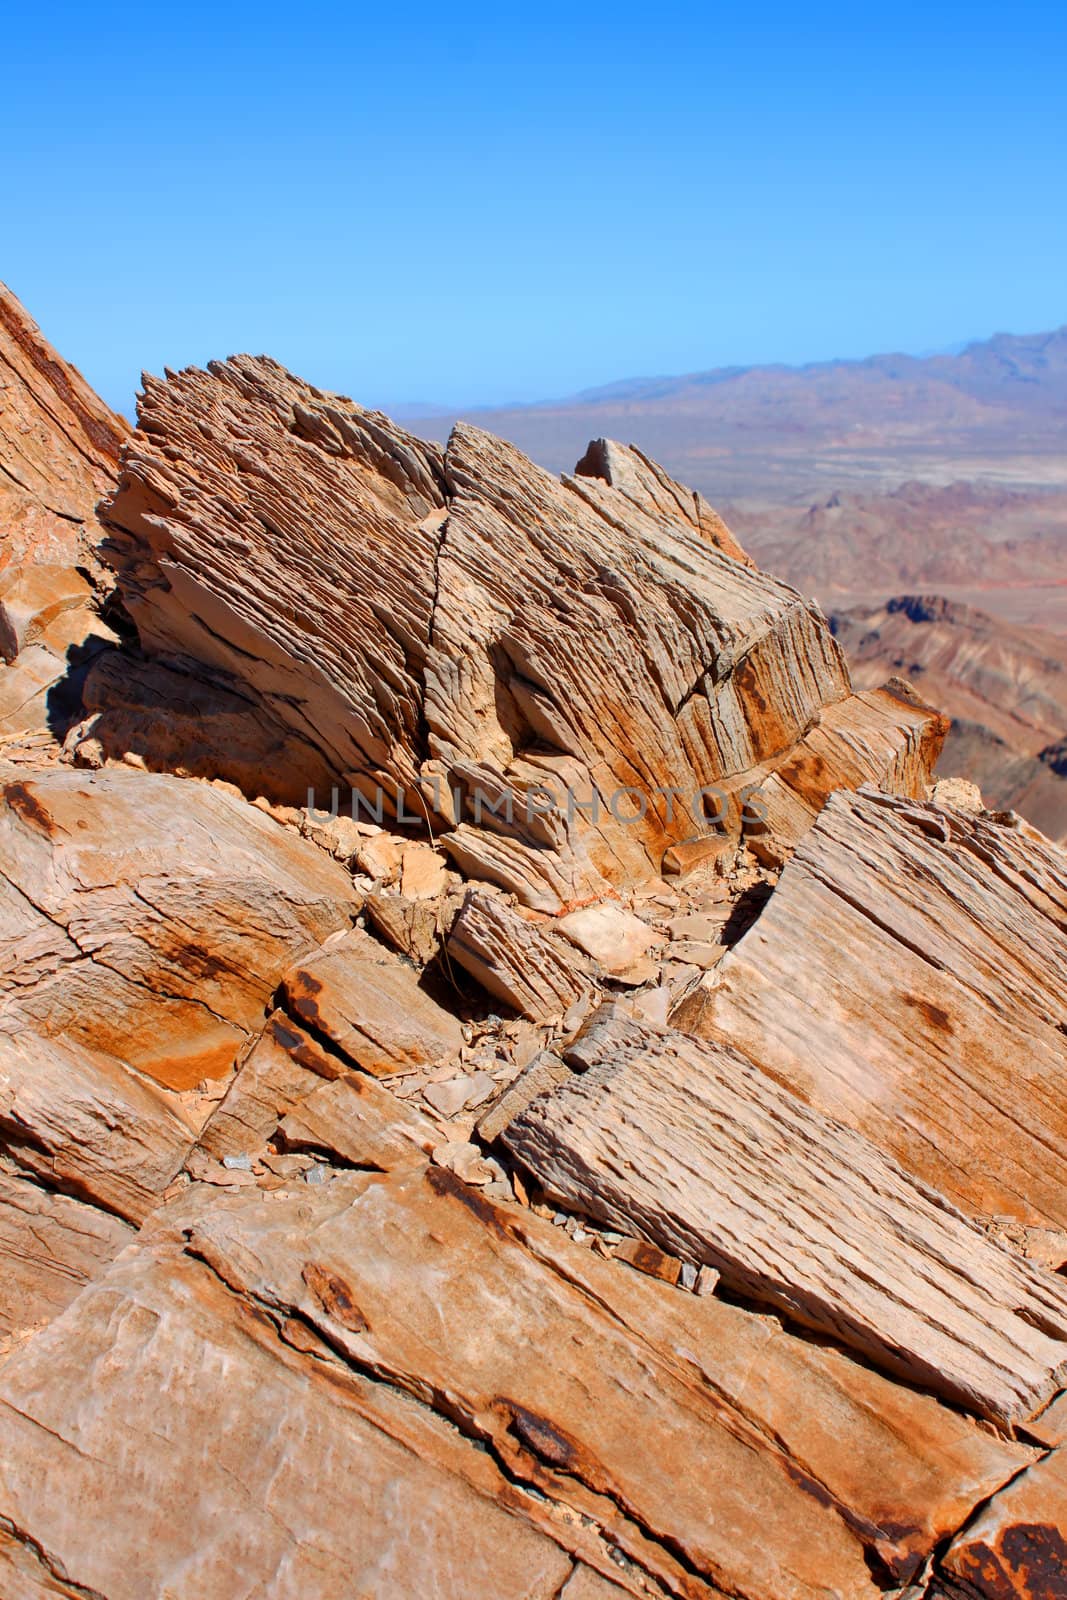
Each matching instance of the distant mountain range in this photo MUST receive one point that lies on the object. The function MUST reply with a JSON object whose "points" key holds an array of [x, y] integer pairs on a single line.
{"points": [[857, 480], [779, 432]]}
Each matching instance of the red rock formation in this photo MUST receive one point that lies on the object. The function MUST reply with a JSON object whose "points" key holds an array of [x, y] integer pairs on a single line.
{"points": [[1005, 689], [434, 628], [59, 449], [367, 1227]]}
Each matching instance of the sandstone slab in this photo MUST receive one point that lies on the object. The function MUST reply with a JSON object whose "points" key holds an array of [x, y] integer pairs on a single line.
{"points": [[150, 918], [59, 447], [692, 1147], [909, 977], [370, 1005], [264, 1469], [51, 1245], [555, 1358], [1016, 1549], [84, 1122], [521, 962]]}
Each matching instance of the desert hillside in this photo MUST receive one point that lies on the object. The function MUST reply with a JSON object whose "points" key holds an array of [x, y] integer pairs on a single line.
{"points": [[515, 1077], [1005, 689]]}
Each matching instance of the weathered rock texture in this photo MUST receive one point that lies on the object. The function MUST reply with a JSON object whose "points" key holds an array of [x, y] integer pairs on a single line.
{"points": [[320, 1277], [462, 635], [909, 977], [152, 919], [59, 451], [370, 1005], [59, 447], [695, 1149], [1017, 1547], [310, 1344]]}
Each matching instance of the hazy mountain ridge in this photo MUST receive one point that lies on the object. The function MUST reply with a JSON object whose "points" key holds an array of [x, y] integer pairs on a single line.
{"points": [[857, 479], [1004, 687]]}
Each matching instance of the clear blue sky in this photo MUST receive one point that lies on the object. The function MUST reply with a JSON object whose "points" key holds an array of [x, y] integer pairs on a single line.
{"points": [[481, 202]]}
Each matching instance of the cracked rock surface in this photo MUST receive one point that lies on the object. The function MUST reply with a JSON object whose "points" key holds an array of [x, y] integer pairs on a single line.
{"points": [[449, 1195]]}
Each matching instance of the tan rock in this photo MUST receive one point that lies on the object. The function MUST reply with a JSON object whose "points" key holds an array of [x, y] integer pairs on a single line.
{"points": [[380, 857], [423, 873], [648, 1258], [880, 737], [1016, 1549], [430, 594], [534, 1339], [342, 836], [643, 482], [370, 1005], [283, 1066], [795, 1211], [711, 850], [410, 926], [59, 447], [51, 1245], [542, 1075], [908, 976], [83, 1121], [466, 1161], [957, 794], [170, 719], [265, 1467], [613, 936], [355, 1117], [450, 1095], [518, 961], [151, 918]]}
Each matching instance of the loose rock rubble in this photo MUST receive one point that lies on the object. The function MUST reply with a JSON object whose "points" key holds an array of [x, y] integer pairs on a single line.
{"points": [[617, 1149]]}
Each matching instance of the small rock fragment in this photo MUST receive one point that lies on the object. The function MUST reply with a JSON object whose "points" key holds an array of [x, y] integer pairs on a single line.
{"points": [[707, 1280], [467, 1162], [957, 794], [649, 1258], [379, 857], [615, 938], [423, 873], [448, 1098]]}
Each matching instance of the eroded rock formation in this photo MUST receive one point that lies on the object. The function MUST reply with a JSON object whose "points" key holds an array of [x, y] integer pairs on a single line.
{"points": [[59, 450], [551, 672], [479, 1197]]}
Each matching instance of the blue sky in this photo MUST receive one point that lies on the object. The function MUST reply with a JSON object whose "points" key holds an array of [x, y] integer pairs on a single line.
{"points": [[476, 202]]}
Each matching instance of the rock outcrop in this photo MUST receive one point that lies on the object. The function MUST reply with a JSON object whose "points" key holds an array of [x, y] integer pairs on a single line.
{"points": [[550, 673], [151, 919], [59, 451], [624, 1157], [909, 977], [795, 1211]]}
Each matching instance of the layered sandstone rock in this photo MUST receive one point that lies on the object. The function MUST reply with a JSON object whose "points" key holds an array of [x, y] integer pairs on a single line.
{"points": [[358, 1154], [909, 977], [795, 1211], [1017, 1547], [59, 447], [309, 1343], [550, 672], [151, 919], [59, 451]]}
